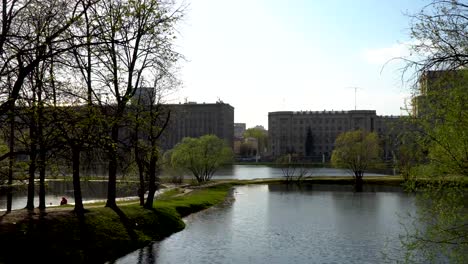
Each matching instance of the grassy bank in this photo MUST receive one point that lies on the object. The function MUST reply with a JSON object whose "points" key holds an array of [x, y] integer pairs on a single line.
{"points": [[59, 237]]}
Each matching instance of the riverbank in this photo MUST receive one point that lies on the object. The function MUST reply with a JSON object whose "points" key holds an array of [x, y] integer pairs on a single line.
{"points": [[104, 235], [57, 236]]}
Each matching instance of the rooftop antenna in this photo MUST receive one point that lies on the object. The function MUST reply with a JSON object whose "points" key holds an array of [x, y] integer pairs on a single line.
{"points": [[355, 92]]}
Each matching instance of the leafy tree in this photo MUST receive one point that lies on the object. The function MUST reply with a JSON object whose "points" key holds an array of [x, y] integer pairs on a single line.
{"points": [[409, 153], [358, 151], [201, 156], [260, 135], [247, 149], [440, 127]]}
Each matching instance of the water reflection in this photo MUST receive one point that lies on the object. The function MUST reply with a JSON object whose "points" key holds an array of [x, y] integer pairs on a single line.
{"points": [[262, 171], [97, 190], [287, 224]]}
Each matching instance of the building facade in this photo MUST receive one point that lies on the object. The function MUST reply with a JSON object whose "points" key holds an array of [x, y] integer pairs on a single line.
{"points": [[195, 120], [287, 130], [239, 129]]}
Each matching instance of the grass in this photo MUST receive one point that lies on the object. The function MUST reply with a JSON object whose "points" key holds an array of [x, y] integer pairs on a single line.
{"points": [[103, 235], [197, 200]]}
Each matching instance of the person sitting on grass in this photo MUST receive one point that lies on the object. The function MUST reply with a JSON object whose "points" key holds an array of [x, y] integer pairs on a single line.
{"points": [[64, 201]]}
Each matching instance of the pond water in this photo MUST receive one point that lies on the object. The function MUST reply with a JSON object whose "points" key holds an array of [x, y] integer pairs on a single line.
{"points": [[248, 172], [97, 190], [290, 224], [91, 190]]}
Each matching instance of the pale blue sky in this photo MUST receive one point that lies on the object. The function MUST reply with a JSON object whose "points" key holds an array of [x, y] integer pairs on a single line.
{"points": [[273, 55]]}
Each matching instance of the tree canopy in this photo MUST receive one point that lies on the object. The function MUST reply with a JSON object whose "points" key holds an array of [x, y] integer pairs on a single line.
{"points": [[201, 156], [356, 150], [440, 129], [260, 135]]}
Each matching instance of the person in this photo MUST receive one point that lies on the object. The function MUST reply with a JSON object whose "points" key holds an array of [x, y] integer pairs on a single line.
{"points": [[64, 201]]}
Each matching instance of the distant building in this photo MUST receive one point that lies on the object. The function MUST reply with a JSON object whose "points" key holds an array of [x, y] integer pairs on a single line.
{"points": [[144, 96], [432, 83], [194, 120], [260, 127], [239, 129], [287, 130]]}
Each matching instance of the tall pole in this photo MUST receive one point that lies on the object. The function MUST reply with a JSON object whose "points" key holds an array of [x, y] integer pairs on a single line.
{"points": [[355, 96]]}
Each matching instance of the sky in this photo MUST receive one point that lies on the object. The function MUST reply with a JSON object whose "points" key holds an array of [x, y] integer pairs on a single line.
{"points": [[262, 56]]}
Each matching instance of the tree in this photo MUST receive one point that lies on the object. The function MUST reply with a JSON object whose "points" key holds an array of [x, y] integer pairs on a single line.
{"points": [[309, 143], [439, 34], [292, 170], [137, 36], [150, 119], [358, 151], [440, 127], [260, 135], [29, 28], [201, 156], [247, 149]]}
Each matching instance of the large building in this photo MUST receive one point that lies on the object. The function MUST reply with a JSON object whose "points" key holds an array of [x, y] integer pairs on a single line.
{"points": [[194, 120], [239, 129], [432, 87], [287, 130]]}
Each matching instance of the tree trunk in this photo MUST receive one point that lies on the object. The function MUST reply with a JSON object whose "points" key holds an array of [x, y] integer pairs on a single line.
{"points": [[42, 169], [32, 171], [141, 190], [79, 209], [41, 165], [11, 162], [32, 165], [152, 188], [138, 159], [112, 183], [358, 182]]}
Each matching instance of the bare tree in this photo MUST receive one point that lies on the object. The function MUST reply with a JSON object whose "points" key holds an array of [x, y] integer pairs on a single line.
{"points": [[440, 37], [22, 47], [138, 36]]}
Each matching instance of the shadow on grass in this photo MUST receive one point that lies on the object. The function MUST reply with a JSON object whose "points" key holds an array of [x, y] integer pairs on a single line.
{"points": [[128, 224]]}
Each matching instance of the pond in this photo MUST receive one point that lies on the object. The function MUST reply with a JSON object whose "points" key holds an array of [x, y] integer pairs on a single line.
{"points": [[97, 190], [290, 224], [91, 190], [248, 172]]}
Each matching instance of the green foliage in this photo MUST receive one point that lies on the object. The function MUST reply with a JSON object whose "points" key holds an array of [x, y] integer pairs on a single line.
{"points": [[260, 135], [356, 150], [409, 152], [440, 127], [201, 156], [441, 134], [195, 201]]}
